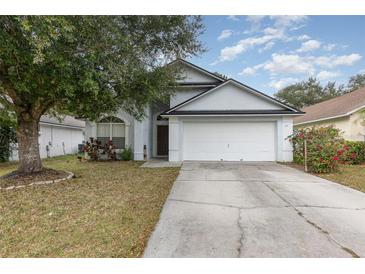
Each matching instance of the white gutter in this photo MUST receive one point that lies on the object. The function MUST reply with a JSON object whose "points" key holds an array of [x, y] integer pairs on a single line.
{"points": [[222, 115], [60, 125], [197, 86]]}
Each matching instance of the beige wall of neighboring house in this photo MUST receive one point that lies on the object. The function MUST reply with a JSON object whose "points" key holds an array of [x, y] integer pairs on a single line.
{"points": [[353, 125]]}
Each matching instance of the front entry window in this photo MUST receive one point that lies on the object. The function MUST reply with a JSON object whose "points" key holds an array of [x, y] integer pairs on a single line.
{"points": [[111, 128]]}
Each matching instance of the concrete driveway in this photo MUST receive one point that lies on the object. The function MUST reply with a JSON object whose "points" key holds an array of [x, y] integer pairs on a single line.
{"points": [[227, 209]]}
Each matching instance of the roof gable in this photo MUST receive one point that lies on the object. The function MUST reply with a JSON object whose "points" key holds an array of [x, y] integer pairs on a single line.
{"points": [[232, 96], [193, 74]]}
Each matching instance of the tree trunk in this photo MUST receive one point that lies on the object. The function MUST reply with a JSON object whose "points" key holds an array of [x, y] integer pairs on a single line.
{"points": [[28, 146]]}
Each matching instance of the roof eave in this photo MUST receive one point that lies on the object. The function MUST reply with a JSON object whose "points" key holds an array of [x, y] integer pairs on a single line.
{"points": [[229, 114], [62, 125], [198, 68], [322, 119], [330, 117], [226, 115]]}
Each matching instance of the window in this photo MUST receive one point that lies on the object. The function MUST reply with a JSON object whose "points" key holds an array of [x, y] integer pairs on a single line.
{"points": [[111, 128]]}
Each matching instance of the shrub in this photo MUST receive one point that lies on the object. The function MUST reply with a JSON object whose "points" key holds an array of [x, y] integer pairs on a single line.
{"points": [[95, 150], [91, 149], [126, 154], [325, 147], [355, 153], [7, 142], [7, 135]]}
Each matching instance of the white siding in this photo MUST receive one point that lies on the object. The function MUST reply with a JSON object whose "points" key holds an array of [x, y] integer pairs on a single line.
{"points": [[194, 75], [183, 94], [65, 141], [230, 97], [60, 140], [175, 139]]}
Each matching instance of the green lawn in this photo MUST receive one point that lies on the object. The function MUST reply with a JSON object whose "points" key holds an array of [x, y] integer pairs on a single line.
{"points": [[348, 175], [108, 210]]}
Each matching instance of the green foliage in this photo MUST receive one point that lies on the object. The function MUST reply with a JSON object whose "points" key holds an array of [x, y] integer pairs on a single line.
{"points": [[126, 154], [95, 150], [7, 118], [357, 81], [311, 91], [325, 147], [308, 92], [7, 142], [355, 153], [91, 149], [90, 65], [221, 75], [7, 135]]}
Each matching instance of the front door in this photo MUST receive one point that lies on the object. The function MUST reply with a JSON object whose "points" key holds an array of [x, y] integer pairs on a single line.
{"points": [[162, 140]]}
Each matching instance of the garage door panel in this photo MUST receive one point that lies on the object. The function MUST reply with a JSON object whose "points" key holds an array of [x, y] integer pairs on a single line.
{"points": [[232, 141], [205, 146]]}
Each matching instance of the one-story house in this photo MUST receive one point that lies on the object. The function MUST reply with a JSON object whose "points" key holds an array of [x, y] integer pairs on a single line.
{"points": [[58, 137], [209, 118], [345, 112]]}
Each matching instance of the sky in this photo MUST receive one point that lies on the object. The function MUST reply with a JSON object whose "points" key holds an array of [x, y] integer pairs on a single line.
{"points": [[271, 52]]}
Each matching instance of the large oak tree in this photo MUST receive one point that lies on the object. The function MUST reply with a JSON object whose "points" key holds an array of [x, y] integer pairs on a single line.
{"points": [[87, 66], [309, 92]]}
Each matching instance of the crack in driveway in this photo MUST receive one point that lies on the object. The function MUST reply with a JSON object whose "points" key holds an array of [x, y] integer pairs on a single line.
{"points": [[301, 214], [329, 207], [224, 205], [219, 212], [256, 207], [242, 238]]}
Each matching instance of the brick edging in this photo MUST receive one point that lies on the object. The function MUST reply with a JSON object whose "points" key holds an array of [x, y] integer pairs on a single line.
{"points": [[68, 177]]}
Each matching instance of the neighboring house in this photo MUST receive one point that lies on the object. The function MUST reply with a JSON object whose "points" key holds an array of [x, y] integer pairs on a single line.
{"points": [[58, 137], [209, 118], [343, 112]]}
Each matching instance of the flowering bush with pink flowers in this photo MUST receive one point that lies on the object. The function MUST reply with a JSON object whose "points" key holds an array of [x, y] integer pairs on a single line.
{"points": [[355, 153], [325, 148]]}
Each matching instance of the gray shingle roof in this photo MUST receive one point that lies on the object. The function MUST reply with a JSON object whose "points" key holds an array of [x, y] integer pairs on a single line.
{"points": [[339, 106], [67, 121]]}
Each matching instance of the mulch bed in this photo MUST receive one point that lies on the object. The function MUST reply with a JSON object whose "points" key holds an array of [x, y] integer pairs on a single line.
{"points": [[22, 179]]}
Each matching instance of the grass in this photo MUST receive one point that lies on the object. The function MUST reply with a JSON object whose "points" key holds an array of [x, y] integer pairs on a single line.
{"points": [[349, 175], [108, 210]]}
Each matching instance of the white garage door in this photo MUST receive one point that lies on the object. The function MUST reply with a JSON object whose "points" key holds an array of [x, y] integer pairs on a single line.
{"points": [[233, 141]]}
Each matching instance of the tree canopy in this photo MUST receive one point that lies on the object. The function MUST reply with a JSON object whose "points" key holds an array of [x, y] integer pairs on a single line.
{"points": [[88, 65], [311, 91], [357, 81], [91, 64]]}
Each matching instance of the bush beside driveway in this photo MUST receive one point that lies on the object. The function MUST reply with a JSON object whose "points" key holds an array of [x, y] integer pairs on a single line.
{"points": [[108, 210]]}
